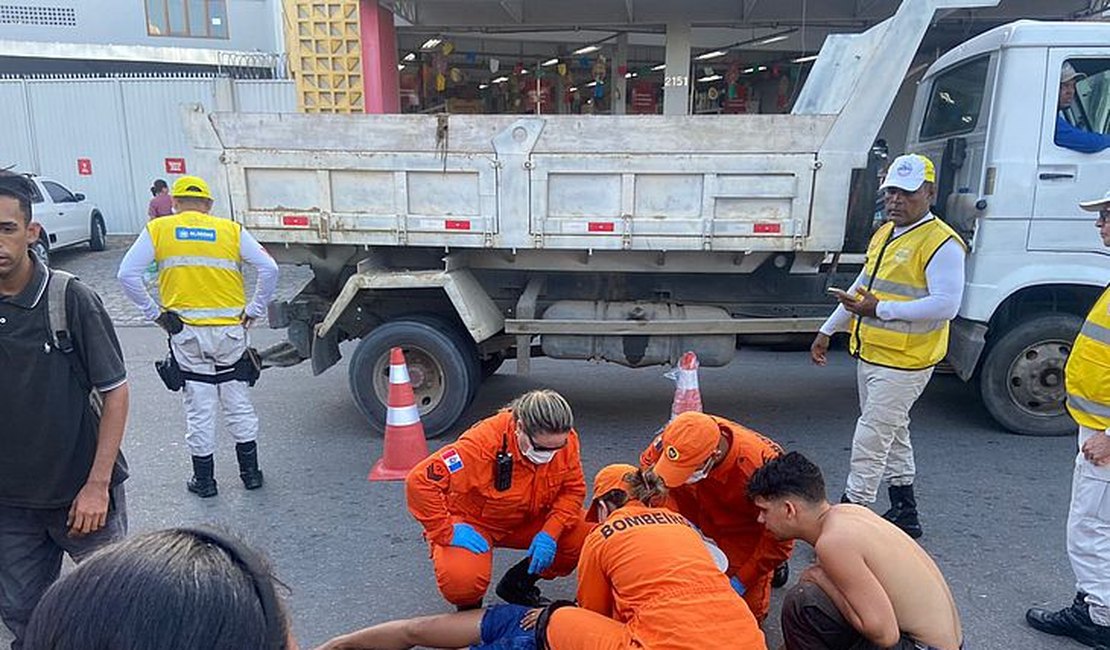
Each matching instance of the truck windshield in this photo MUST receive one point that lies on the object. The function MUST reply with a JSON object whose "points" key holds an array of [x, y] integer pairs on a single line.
{"points": [[955, 100], [1091, 109]]}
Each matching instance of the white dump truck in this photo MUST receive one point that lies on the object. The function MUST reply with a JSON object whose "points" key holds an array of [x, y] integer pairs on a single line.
{"points": [[468, 240]]}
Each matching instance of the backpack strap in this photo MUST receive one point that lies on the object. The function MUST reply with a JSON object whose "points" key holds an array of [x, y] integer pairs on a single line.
{"points": [[56, 287]]}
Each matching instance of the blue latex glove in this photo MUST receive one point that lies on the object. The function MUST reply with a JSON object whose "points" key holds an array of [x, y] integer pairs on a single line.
{"points": [[542, 551], [737, 586], [466, 537]]}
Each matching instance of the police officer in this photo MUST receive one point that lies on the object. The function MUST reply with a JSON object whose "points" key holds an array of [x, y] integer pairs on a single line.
{"points": [[205, 310], [514, 480], [897, 313], [1087, 380]]}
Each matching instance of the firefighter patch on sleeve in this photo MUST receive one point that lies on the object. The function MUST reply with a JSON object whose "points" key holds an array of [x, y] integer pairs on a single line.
{"points": [[452, 460]]}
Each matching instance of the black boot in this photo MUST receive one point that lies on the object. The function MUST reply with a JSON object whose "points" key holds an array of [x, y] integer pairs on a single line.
{"points": [[202, 484], [903, 510], [247, 453], [1073, 621], [518, 587]]}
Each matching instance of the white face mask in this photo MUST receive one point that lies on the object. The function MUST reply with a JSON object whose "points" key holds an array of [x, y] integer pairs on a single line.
{"points": [[533, 454], [700, 474]]}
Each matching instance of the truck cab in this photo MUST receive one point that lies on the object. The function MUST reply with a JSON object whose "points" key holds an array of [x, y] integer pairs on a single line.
{"points": [[986, 112]]}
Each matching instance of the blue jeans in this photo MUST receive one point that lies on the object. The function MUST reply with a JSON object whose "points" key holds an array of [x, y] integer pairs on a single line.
{"points": [[31, 545]]}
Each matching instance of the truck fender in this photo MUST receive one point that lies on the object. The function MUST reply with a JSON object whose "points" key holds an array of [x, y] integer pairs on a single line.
{"points": [[474, 307]]}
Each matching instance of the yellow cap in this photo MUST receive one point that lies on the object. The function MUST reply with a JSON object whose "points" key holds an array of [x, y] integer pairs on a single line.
{"points": [[191, 186]]}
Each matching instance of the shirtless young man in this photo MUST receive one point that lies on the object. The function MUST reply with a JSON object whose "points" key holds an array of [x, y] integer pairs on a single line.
{"points": [[871, 587]]}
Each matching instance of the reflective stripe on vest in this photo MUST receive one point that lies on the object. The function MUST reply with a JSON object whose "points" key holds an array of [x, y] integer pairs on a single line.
{"points": [[1087, 374], [198, 267], [895, 271]]}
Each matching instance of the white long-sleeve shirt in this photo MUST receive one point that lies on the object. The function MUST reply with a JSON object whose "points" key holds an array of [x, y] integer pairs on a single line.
{"points": [[141, 254], [944, 277]]}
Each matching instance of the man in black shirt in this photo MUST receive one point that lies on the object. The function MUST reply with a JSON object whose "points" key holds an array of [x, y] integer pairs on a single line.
{"points": [[61, 472]]}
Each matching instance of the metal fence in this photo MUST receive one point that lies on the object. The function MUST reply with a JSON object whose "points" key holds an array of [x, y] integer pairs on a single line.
{"points": [[109, 138]]}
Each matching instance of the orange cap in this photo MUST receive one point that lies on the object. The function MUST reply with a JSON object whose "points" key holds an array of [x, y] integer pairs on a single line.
{"points": [[609, 478], [685, 446]]}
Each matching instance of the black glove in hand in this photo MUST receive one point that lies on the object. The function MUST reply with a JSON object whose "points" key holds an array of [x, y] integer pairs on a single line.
{"points": [[170, 322]]}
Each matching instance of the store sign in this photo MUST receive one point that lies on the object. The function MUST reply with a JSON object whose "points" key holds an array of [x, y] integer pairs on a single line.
{"points": [[84, 166]]}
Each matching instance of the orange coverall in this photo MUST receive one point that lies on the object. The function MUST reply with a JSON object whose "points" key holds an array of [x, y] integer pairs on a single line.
{"points": [[720, 507], [456, 485], [646, 580]]}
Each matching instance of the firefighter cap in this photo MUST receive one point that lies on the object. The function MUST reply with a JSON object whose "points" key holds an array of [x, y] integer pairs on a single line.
{"points": [[191, 187], [685, 445], [609, 478]]}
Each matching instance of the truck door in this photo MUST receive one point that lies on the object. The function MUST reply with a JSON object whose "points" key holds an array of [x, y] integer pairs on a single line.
{"points": [[1065, 176], [953, 134]]}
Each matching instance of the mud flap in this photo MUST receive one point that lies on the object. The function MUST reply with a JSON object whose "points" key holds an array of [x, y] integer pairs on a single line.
{"points": [[325, 352]]}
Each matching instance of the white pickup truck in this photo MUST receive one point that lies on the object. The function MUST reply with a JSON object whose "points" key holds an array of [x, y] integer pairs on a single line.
{"points": [[467, 240]]}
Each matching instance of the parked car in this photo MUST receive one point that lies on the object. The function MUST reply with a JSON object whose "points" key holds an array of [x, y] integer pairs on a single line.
{"points": [[67, 219]]}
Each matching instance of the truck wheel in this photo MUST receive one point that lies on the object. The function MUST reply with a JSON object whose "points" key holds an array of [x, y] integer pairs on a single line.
{"points": [[463, 341], [439, 370], [98, 235], [1022, 382]]}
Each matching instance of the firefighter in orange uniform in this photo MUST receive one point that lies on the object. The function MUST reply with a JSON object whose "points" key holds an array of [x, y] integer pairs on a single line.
{"points": [[646, 579], [706, 462], [513, 480]]}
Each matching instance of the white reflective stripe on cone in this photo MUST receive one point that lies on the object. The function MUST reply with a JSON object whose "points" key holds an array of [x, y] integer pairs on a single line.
{"points": [[398, 374], [400, 416]]}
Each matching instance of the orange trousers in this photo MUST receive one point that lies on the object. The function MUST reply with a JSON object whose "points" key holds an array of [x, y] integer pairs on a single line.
{"points": [[758, 596], [574, 628], [464, 576]]}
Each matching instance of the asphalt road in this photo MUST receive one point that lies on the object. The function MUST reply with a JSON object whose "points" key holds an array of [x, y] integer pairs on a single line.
{"points": [[993, 504]]}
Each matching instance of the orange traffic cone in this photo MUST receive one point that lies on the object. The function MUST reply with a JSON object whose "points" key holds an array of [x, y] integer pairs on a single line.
{"points": [[687, 395], [405, 445]]}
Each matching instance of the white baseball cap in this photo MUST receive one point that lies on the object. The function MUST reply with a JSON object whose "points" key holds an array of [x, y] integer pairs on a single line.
{"points": [[908, 172], [1095, 205], [1067, 73]]}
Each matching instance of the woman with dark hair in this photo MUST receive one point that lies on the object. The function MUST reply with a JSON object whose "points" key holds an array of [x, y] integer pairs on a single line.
{"points": [[177, 589], [162, 204]]}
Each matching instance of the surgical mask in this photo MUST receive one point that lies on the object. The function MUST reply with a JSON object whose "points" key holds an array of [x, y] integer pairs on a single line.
{"points": [[531, 453]]}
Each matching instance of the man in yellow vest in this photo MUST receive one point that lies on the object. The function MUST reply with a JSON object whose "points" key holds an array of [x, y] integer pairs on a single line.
{"points": [[1087, 380], [897, 313], [205, 311]]}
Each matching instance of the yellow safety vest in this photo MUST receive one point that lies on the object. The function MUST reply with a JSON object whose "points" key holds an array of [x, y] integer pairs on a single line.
{"points": [[895, 270], [198, 267], [1087, 373]]}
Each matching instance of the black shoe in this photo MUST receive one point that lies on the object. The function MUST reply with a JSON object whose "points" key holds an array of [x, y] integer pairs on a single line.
{"points": [[202, 484], [247, 455], [903, 510], [518, 587], [781, 576], [1073, 621]]}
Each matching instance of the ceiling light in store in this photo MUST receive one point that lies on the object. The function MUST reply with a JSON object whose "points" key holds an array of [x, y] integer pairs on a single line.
{"points": [[748, 70], [400, 67], [574, 89], [712, 77], [483, 86], [500, 80], [550, 62], [431, 43], [587, 49], [630, 75], [761, 68], [774, 39], [591, 84], [411, 56], [715, 54], [805, 59], [661, 66]]}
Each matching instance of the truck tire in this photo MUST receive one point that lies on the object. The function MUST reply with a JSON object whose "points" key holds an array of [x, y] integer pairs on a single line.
{"points": [[462, 340], [440, 371], [1022, 381]]}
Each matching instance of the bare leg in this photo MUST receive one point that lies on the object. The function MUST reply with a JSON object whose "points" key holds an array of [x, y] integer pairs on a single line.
{"points": [[456, 630]]}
